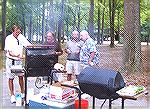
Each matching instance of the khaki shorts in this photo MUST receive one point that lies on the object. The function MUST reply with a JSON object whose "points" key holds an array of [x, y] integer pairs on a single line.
{"points": [[8, 68], [73, 67]]}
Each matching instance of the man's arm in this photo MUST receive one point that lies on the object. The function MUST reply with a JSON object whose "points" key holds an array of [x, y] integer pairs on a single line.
{"points": [[92, 54], [59, 50]]}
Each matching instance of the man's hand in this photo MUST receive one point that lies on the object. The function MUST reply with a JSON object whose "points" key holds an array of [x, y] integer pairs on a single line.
{"points": [[21, 57], [90, 63], [58, 53], [14, 54], [92, 54], [77, 52], [67, 51]]}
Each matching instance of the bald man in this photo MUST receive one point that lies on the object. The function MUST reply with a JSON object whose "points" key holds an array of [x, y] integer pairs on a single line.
{"points": [[73, 60], [89, 55]]}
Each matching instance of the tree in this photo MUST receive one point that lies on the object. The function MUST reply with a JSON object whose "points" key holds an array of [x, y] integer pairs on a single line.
{"points": [[60, 21], [132, 42], [112, 18], [3, 22], [102, 38], [78, 3], [98, 23], [43, 20], [91, 19]]}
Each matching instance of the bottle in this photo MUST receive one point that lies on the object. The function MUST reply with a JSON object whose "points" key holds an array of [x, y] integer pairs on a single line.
{"points": [[18, 100]]}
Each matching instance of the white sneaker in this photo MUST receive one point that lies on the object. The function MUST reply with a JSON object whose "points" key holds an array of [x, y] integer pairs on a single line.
{"points": [[13, 99]]}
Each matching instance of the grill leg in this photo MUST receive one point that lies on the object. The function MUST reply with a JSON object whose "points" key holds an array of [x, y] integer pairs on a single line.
{"points": [[122, 103], [50, 78], [110, 101], [79, 99], [25, 77], [93, 103]]}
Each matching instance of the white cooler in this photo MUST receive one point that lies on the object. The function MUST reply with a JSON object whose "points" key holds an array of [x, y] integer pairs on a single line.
{"points": [[35, 102]]}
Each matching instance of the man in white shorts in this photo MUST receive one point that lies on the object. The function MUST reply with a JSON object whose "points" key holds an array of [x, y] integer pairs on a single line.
{"points": [[73, 60], [14, 44]]}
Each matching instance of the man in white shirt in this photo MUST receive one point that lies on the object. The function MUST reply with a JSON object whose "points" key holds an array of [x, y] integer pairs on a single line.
{"points": [[14, 44]]}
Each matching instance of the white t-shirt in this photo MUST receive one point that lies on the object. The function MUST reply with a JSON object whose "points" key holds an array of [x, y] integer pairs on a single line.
{"points": [[11, 44]]}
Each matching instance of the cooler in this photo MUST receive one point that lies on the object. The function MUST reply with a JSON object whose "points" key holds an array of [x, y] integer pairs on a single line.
{"points": [[36, 102]]}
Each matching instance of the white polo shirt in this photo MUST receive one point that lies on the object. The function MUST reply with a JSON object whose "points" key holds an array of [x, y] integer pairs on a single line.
{"points": [[11, 44]]}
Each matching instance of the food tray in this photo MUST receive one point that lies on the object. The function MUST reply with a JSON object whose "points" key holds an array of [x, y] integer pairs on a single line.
{"points": [[131, 90]]}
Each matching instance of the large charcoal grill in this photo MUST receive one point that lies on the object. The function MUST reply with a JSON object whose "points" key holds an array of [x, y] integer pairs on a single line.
{"points": [[100, 83], [39, 61]]}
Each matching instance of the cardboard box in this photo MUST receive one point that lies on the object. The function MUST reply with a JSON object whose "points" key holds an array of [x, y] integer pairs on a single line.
{"points": [[60, 93]]}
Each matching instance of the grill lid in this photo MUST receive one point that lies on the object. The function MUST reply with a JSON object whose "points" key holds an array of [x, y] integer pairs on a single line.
{"points": [[40, 60], [100, 82]]}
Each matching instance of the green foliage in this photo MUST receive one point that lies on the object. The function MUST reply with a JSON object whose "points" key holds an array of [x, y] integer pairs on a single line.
{"points": [[0, 14], [145, 18], [145, 11], [145, 30], [16, 9]]}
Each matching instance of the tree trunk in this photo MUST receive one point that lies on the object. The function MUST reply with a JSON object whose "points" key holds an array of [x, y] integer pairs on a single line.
{"points": [[78, 2], [60, 21], [74, 22], [137, 37], [3, 23], [46, 20], [118, 24], [30, 27], [102, 38], [43, 21], [112, 16], [98, 34], [91, 19], [24, 25], [51, 16], [132, 42]]}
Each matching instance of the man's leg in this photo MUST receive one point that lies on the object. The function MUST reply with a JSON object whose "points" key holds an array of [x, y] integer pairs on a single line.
{"points": [[21, 83], [11, 86], [69, 69]]}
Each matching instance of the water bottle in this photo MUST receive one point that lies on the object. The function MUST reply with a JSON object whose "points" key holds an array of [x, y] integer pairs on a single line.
{"points": [[18, 100]]}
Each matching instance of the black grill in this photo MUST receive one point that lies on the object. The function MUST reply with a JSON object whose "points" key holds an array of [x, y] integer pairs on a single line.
{"points": [[100, 83], [39, 60]]}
